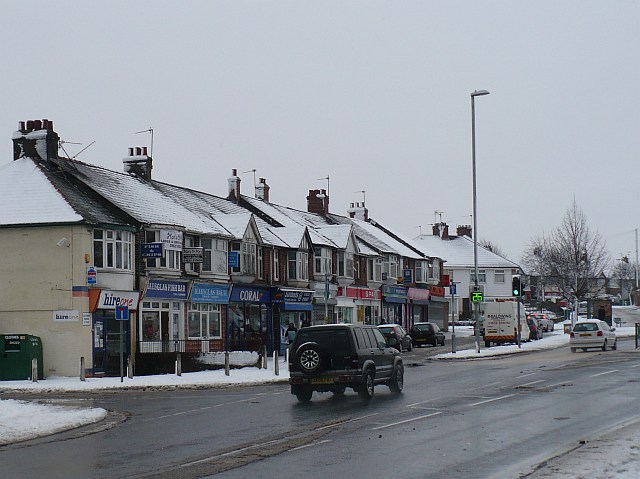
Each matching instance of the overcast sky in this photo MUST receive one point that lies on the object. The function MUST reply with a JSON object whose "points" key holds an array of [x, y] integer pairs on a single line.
{"points": [[375, 94]]}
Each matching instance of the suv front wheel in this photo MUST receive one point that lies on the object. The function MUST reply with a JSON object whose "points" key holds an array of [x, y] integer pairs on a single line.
{"points": [[396, 383], [366, 388]]}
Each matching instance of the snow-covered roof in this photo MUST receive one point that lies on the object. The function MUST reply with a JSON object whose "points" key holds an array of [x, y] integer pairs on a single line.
{"points": [[28, 197], [457, 251], [381, 241], [31, 194]]}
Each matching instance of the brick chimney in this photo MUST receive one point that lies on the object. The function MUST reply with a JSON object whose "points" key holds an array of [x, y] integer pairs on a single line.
{"points": [[441, 229], [138, 163], [464, 230], [358, 211], [35, 139], [318, 202], [262, 190], [234, 186]]}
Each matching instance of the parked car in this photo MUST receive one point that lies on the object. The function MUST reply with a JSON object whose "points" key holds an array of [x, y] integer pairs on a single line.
{"points": [[333, 357], [403, 340], [546, 323], [592, 333], [535, 329], [426, 333]]}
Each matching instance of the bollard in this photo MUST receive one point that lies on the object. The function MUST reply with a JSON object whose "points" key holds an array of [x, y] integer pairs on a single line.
{"points": [[129, 368], [82, 373], [179, 364], [276, 366], [264, 357], [226, 363], [286, 357], [34, 370]]}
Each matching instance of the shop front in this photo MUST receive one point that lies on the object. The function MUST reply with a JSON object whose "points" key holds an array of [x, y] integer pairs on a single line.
{"points": [[418, 304], [249, 318], [207, 302], [291, 310], [439, 307], [394, 301], [161, 319], [106, 329], [324, 303], [358, 305]]}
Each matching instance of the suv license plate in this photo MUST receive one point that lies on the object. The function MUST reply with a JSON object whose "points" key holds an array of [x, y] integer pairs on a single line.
{"points": [[322, 380]]}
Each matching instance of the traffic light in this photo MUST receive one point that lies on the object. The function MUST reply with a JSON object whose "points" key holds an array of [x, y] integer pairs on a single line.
{"points": [[516, 287]]}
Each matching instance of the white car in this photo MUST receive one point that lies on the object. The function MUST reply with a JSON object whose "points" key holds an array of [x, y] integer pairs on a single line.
{"points": [[592, 333]]}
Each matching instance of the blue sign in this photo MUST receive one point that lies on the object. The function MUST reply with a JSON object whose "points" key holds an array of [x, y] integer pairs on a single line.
{"points": [[122, 313], [92, 275], [166, 289], [151, 250], [452, 289], [210, 293], [407, 276], [233, 259], [241, 294]]}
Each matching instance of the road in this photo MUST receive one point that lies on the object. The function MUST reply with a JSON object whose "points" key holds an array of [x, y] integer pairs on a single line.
{"points": [[470, 419]]}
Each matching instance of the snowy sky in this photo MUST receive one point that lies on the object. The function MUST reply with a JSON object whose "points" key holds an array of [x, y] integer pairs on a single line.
{"points": [[374, 94]]}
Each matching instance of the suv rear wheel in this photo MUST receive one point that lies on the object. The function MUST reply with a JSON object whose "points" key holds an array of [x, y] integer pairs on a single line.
{"points": [[309, 357], [366, 388], [303, 393]]}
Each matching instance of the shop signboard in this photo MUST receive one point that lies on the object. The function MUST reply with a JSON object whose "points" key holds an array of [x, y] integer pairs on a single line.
{"points": [[193, 254], [171, 239], [151, 250], [407, 276], [242, 294], [112, 299], [210, 293], [292, 296], [233, 259], [166, 289], [66, 315]]}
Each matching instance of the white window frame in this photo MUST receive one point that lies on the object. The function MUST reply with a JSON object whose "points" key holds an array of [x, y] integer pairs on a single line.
{"points": [[390, 265], [422, 271], [322, 261], [276, 265], [374, 269], [482, 276], [117, 248], [260, 261], [346, 265], [499, 276], [298, 263]]}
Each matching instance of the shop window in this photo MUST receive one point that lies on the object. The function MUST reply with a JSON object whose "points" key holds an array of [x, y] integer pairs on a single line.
{"points": [[112, 249], [203, 321]]}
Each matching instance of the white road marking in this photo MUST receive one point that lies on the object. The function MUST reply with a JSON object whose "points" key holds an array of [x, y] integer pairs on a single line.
{"points": [[529, 384], [309, 445], [406, 421], [525, 375], [491, 400], [602, 374]]}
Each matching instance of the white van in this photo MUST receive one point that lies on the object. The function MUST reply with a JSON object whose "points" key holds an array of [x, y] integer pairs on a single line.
{"points": [[501, 323]]}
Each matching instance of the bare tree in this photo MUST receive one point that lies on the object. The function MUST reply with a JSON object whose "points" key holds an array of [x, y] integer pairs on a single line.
{"points": [[489, 245], [572, 257], [624, 272]]}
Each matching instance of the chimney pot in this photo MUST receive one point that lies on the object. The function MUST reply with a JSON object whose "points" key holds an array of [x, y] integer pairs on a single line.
{"points": [[131, 151], [29, 125], [37, 125], [138, 151], [144, 151], [21, 126]]}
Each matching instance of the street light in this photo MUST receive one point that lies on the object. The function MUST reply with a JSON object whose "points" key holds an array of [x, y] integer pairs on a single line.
{"points": [[475, 213]]}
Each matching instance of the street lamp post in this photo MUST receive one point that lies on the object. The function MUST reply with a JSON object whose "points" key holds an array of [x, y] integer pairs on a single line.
{"points": [[476, 306]]}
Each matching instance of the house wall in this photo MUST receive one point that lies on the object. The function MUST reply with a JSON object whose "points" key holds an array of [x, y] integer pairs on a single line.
{"points": [[37, 279]]}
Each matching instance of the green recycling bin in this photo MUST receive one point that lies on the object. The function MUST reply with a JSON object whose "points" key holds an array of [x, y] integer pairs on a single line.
{"points": [[17, 352]]}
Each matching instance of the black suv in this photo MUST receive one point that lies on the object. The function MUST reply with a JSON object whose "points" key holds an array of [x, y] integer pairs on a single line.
{"points": [[334, 357]]}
